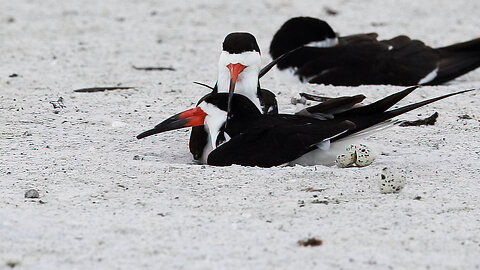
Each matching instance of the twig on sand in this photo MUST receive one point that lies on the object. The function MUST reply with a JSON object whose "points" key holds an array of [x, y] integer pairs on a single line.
{"points": [[101, 89], [153, 68], [310, 242], [314, 97], [431, 120], [58, 104]]}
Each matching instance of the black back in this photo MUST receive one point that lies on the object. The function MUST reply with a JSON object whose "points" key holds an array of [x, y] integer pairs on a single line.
{"points": [[268, 140], [362, 59], [364, 63], [271, 140]]}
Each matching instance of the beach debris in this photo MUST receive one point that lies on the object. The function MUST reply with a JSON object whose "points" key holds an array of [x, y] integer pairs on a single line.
{"points": [[429, 121], [391, 180], [378, 24], [153, 68], [312, 189], [465, 116], [58, 104], [314, 97], [301, 203], [32, 194], [358, 154], [310, 242], [101, 89], [137, 157], [12, 264], [301, 100], [13, 75], [319, 201], [330, 11]]}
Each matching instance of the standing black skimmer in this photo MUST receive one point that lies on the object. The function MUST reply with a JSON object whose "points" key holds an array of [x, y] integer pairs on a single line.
{"points": [[265, 140], [239, 70], [360, 59]]}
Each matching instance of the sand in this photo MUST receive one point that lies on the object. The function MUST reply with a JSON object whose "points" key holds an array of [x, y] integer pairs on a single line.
{"points": [[108, 201]]}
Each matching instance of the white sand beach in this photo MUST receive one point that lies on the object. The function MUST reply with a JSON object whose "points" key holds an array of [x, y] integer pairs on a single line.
{"points": [[110, 201]]}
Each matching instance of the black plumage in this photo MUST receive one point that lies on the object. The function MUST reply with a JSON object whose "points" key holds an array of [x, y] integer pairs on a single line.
{"points": [[274, 139], [362, 59]]}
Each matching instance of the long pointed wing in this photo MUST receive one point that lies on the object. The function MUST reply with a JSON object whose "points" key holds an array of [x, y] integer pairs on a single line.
{"points": [[274, 145]]}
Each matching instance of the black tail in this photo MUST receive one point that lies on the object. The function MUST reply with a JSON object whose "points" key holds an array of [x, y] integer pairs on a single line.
{"points": [[378, 106], [456, 60], [336, 105], [369, 117]]}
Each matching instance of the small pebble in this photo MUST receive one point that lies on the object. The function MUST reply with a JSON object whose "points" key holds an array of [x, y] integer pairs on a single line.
{"points": [[32, 194]]}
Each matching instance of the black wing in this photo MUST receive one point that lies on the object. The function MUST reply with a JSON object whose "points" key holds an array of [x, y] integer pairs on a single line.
{"points": [[358, 39], [370, 115], [331, 106], [268, 101], [198, 141], [399, 61], [456, 60], [276, 144]]}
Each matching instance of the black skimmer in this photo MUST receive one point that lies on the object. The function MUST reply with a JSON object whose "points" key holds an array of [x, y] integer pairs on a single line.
{"points": [[266, 140], [325, 58], [239, 70]]}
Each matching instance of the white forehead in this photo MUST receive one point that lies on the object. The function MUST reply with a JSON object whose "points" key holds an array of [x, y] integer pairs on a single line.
{"points": [[246, 58]]}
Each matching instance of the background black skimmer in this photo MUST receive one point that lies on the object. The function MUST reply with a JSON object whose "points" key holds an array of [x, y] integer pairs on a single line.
{"points": [[239, 69], [362, 59], [253, 139]]}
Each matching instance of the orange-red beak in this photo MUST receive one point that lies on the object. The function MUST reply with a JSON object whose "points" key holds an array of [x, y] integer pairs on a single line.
{"points": [[188, 118], [235, 69]]}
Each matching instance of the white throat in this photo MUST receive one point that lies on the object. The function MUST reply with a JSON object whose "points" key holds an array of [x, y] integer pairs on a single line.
{"points": [[213, 123], [247, 81]]}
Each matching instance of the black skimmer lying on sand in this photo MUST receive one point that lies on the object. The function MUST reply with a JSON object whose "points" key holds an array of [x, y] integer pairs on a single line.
{"points": [[325, 58], [254, 139], [239, 70]]}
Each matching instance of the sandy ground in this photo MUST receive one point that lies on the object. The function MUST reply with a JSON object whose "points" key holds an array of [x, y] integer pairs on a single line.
{"points": [[108, 201]]}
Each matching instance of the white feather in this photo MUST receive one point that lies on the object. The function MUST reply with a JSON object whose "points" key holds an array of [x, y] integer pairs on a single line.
{"points": [[247, 82], [430, 76], [213, 122], [326, 155], [329, 42]]}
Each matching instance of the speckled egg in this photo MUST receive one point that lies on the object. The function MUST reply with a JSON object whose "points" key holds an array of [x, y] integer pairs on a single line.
{"points": [[391, 180], [347, 159], [364, 155]]}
